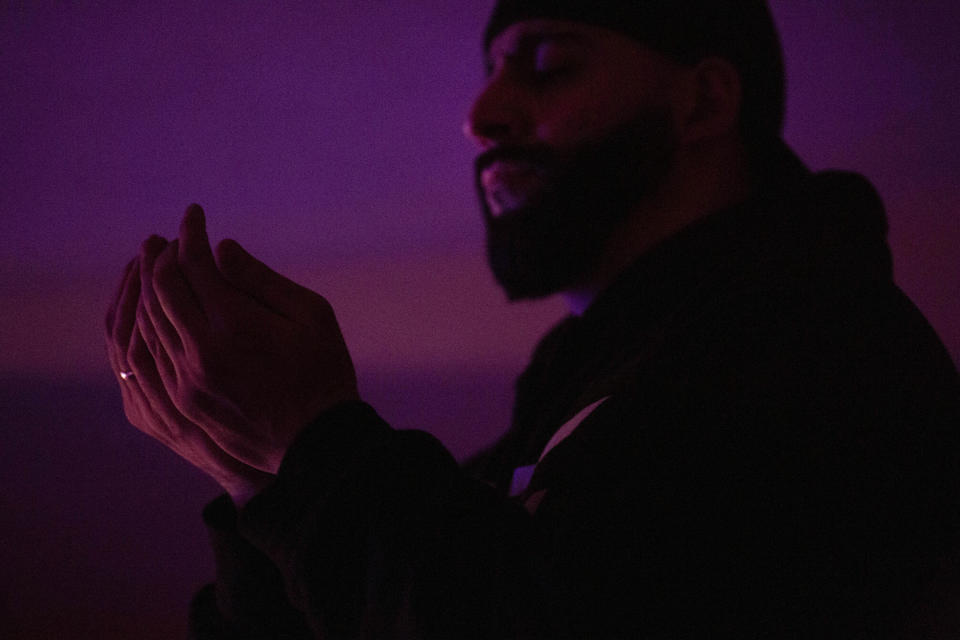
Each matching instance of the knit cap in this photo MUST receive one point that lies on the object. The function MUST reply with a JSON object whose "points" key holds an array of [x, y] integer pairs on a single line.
{"points": [[740, 31]]}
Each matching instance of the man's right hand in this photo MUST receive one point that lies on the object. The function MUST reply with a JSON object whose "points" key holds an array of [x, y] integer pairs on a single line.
{"points": [[146, 403]]}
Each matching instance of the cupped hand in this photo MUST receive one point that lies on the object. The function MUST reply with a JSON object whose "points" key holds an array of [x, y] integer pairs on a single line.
{"points": [[145, 401], [248, 355]]}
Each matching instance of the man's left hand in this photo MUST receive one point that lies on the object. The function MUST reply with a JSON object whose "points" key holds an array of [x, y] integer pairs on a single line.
{"points": [[252, 356]]}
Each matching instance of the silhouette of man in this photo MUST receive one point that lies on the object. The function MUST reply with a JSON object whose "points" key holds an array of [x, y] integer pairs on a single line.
{"points": [[743, 429]]}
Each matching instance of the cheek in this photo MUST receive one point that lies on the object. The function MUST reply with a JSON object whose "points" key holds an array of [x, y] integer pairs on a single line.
{"points": [[569, 125], [588, 115]]}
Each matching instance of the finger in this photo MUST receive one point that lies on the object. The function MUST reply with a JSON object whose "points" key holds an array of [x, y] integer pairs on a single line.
{"points": [[157, 398], [124, 320], [274, 291], [137, 387], [138, 412], [113, 355], [162, 420], [160, 328], [169, 426], [112, 310], [131, 407], [177, 299], [196, 258], [126, 306], [161, 359]]}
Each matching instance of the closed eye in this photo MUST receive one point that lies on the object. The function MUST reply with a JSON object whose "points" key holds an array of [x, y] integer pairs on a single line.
{"points": [[540, 55]]}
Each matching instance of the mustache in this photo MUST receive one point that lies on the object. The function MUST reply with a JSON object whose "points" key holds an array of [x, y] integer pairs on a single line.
{"points": [[538, 155]]}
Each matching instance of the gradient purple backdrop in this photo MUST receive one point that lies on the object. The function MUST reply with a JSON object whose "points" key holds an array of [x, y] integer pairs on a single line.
{"points": [[325, 137]]}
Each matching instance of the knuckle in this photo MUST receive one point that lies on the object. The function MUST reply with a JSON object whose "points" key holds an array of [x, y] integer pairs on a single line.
{"points": [[224, 249], [228, 254], [197, 359], [324, 304], [192, 400], [181, 399], [151, 247], [138, 358], [197, 365], [205, 372], [132, 415], [145, 328], [151, 343], [175, 430], [321, 307]]}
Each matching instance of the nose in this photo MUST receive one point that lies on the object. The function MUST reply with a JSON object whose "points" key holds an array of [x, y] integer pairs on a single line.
{"points": [[499, 115]]}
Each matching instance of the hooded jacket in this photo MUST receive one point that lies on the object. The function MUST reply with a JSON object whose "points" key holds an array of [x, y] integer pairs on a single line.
{"points": [[772, 453]]}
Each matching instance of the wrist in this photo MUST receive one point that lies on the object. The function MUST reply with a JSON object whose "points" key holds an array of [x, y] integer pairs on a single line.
{"points": [[243, 489]]}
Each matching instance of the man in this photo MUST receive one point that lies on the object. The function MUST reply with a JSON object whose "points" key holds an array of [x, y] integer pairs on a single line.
{"points": [[744, 429]]}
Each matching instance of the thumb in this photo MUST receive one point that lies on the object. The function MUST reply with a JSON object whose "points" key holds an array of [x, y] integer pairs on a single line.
{"points": [[196, 259], [266, 286]]}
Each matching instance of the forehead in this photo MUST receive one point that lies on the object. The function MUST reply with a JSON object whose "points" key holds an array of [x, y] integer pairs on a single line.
{"points": [[606, 48], [527, 33]]}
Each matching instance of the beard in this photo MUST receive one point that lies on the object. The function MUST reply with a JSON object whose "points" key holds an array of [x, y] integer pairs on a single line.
{"points": [[556, 238]]}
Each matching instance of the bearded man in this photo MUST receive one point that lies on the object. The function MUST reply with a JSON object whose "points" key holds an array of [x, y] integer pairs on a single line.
{"points": [[743, 429]]}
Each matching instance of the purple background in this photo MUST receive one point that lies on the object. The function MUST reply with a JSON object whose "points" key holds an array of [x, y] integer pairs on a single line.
{"points": [[325, 137]]}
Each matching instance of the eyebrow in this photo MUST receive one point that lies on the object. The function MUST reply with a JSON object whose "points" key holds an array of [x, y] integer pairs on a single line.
{"points": [[530, 41]]}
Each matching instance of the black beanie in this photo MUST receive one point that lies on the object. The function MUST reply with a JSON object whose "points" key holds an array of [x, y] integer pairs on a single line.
{"points": [[741, 31]]}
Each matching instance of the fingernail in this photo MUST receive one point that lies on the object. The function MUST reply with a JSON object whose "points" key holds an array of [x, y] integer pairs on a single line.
{"points": [[153, 244], [194, 219], [194, 212]]}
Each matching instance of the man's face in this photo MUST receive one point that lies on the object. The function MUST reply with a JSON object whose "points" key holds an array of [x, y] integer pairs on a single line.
{"points": [[575, 131]]}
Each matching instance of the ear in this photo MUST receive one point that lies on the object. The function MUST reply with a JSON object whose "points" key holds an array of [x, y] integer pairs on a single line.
{"points": [[713, 95]]}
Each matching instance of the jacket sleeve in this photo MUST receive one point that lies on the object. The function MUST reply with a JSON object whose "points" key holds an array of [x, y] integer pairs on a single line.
{"points": [[372, 532], [248, 599], [784, 487]]}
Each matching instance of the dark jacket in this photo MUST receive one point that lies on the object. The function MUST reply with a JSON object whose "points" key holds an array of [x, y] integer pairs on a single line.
{"points": [[777, 456]]}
